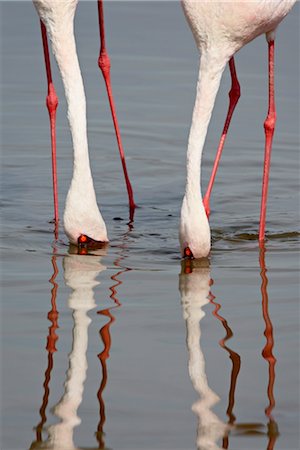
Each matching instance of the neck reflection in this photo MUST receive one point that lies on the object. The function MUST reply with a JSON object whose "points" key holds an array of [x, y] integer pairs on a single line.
{"points": [[80, 273], [194, 286]]}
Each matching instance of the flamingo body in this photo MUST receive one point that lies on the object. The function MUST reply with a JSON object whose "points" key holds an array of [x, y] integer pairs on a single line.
{"points": [[220, 29], [224, 27]]}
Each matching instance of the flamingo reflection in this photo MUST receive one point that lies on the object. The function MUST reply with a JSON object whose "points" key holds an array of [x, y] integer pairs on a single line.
{"points": [[80, 273], [195, 293], [194, 286]]}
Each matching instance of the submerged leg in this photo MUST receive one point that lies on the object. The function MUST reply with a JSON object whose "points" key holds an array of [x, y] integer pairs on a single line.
{"points": [[234, 96], [52, 103], [104, 65], [269, 126]]}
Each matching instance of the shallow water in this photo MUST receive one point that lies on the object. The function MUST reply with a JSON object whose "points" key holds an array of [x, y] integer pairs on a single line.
{"points": [[124, 348]]}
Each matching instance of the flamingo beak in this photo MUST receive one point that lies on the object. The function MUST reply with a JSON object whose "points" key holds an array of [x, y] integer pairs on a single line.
{"points": [[82, 240], [188, 253], [84, 243]]}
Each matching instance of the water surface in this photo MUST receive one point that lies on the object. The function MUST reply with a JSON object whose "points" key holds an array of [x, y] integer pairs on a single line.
{"points": [[124, 348]]}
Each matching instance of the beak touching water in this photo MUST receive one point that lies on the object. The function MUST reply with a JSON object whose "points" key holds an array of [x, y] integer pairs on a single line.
{"points": [[85, 242], [188, 253]]}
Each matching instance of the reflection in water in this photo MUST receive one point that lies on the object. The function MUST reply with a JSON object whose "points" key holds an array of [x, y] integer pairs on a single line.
{"points": [[194, 286], [104, 355], [51, 348], [80, 274], [195, 294], [236, 365], [267, 352]]}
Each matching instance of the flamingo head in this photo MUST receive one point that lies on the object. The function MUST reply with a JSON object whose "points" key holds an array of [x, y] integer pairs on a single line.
{"points": [[84, 243], [83, 222], [194, 230]]}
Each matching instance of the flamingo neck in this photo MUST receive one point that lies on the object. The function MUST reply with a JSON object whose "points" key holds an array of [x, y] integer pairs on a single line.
{"points": [[210, 74], [64, 49]]}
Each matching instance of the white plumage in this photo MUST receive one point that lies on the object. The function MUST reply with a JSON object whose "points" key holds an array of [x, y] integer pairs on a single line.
{"points": [[220, 29], [82, 215]]}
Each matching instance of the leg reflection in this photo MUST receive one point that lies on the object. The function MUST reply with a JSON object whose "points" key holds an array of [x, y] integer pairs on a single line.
{"points": [[51, 348], [267, 351], [236, 365], [103, 356], [106, 340]]}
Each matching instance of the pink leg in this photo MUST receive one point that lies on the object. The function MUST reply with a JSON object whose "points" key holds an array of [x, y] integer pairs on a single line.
{"points": [[269, 126], [104, 65], [52, 103], [234, 96]]}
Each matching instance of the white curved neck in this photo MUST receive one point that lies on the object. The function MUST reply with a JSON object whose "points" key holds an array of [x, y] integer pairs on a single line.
{"points": [[64, 49], [210, 74]]}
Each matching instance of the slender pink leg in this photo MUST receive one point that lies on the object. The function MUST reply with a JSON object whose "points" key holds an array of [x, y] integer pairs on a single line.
{"points": [[234, 96], [104, 65], [52, 103], [269, 126]]}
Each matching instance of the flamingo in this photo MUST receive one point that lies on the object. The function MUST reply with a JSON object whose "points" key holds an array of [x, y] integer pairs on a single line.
{"points": [[220, 29], [83, 222]]}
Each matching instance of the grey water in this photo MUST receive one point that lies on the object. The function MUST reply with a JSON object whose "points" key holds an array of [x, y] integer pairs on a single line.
{"points": [[125, 348]]}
